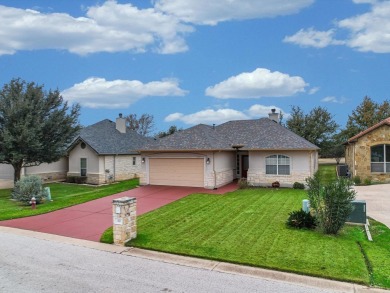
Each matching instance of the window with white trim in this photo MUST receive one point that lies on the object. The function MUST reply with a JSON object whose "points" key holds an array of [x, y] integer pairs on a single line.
{"points": [[277, 165], [380, 158]]}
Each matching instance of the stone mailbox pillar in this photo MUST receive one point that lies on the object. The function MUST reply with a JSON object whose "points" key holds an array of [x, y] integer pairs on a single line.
{"points": [[124, 216]]}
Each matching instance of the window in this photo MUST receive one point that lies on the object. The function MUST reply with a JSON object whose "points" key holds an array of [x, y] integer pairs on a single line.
{"points": [[277, 165], [134, 160], [380, 158], [83, 167]]}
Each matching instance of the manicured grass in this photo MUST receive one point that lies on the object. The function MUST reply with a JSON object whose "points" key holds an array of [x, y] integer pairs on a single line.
{"points": [[248, 227], [107, 236], [327, 173], [63, 195]]}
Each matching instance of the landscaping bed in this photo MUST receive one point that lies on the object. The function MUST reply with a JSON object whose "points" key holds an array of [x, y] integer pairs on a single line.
{"points": [[63, 195]]}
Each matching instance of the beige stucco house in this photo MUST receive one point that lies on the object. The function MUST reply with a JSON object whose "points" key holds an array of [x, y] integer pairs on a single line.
{"points": [[261, 150], [106, 151], [367, 154]]}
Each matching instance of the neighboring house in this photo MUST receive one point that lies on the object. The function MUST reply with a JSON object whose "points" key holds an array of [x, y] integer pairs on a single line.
{"points": [[262, 150], [106, 151], [367, 154]]}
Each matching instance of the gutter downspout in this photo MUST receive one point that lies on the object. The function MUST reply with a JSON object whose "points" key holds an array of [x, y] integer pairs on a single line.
{"points": [[114, 171]]}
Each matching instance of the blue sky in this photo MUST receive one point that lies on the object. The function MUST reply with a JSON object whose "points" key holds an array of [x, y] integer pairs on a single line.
{"points": [[199, 61]]}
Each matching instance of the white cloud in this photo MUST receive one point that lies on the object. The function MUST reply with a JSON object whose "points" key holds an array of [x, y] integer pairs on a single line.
{"points": [[97, 92], [332, 99], [211, 12], [219, 116], [368, 32], [313, 90], [312, 38], [110, 27], [259, 83]]}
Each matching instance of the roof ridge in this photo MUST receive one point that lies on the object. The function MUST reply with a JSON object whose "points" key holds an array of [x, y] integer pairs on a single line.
{"points": [[369, 129]]}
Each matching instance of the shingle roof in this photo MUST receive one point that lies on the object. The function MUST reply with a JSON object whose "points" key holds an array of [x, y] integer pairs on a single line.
{"points": [[259, 134], [357, 136], [105, 139]]}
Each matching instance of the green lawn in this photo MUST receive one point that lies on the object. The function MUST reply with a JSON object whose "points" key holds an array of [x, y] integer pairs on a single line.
{"points": [[63, 195], [327, 172], [248, 227]]}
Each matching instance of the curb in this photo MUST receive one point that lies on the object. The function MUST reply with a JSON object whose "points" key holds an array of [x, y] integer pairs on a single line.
{"points": [[204, 264]]}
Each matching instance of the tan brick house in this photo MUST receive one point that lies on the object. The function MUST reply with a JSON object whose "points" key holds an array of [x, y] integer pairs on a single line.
{"points": [[367, 154]]}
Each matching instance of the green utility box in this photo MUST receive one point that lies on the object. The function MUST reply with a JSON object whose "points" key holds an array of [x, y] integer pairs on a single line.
{"points": [[358, 215]]}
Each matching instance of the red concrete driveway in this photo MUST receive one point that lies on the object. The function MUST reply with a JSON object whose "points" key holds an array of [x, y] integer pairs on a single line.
{"points": [[89, 220]]}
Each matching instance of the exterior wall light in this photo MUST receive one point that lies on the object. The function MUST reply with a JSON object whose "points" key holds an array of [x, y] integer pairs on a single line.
{"points": [[143, 160], [208, 161]]}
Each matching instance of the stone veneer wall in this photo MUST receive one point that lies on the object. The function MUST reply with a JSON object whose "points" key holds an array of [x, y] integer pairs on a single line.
{"points": [[124, 168], [358, 154], [223, 177], [259, 178]]}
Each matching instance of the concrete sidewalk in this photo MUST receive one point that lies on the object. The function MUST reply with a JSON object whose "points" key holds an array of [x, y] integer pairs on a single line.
{"points": [[377, 198], [89, 220], [202, 264]]}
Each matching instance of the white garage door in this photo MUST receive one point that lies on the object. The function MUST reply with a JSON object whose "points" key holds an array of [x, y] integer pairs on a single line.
{"points": [[176, 172]]}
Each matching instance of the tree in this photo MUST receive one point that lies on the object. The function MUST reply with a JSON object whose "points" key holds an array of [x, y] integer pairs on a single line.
{"points": [[170, 131], [144, 125], [35, 126], [318, 126], [367, 114]]}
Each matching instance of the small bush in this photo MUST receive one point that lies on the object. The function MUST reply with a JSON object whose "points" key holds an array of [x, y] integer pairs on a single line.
{"points": [[331, 202], [276, 184], [298, 185], [243, 183], [80, 179], [28, 187], [70, 179], [300, 219], [367, 181], [357, 180]]}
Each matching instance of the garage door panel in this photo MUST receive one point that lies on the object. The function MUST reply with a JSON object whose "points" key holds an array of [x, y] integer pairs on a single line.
{"points": [[176, 172]]}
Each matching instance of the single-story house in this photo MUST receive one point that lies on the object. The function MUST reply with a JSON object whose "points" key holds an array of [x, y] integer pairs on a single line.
{"points": [[261, 150], [367, 154], [106, 151]]}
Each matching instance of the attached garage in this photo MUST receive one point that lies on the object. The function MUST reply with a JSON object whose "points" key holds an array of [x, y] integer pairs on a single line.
{"points": [[176, 171]]}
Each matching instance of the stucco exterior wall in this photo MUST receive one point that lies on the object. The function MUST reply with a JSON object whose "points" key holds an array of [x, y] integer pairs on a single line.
{"points": [[53, 171], [303, 164], [358, 154]]}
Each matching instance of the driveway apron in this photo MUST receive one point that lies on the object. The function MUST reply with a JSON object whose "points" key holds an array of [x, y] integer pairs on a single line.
{"points": [[377, 199], [89, 220]]}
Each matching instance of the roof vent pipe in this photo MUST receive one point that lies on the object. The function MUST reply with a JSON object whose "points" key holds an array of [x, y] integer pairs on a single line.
{"points": [[121, 124], [274, 116]]}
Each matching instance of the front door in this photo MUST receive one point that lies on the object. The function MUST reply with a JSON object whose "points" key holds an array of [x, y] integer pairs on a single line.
{"points": [[244, 166]]}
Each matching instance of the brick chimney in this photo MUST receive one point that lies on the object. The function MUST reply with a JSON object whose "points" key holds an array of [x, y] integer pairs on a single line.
{"points": [[274, 116], [121, 124]]}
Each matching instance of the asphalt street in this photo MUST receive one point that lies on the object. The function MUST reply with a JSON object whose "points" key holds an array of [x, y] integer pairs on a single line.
{"points": [[35, 265]]}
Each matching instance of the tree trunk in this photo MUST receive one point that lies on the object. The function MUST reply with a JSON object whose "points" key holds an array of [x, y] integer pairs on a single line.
{"points": [[17, 170]]}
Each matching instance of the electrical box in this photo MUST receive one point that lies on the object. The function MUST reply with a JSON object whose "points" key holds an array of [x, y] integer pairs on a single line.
{"points": [[358, 214]]}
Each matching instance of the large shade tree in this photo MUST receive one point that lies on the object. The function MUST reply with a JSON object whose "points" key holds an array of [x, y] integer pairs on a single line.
{"points": [[143, 125], [317, 126], [366, 114], [36, 126]]}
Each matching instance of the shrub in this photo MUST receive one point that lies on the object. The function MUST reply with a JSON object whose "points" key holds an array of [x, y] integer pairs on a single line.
{"points": [[331, 202], [28, 187], [80, 179], [70, 179], [300, 219], [298, 185], [276, 184], [357, 180], [243, 183], [367, 181]]}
